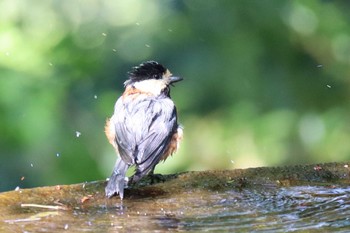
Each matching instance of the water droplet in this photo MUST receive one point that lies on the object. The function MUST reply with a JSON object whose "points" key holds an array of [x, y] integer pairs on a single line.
{"points": [[77, 134], [329, 86], [319, 66], [114, 50], [31, 165], [222, 201], [57, 154], [66, 227], [95, 96], [104, 34], [147, 45]]}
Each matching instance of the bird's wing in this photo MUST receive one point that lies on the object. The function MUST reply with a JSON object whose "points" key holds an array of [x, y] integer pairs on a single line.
{"points": [[123, 136], [161, 123], [144, 129]]}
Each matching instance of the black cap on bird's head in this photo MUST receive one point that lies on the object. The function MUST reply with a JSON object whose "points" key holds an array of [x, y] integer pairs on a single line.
{"points": [[150, 70], [147, 70]]}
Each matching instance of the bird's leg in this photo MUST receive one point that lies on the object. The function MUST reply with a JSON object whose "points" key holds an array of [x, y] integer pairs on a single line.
{"points": [[155, 178]]}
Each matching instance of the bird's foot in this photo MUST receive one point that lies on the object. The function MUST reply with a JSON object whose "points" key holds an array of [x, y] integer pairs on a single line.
{"points": [[156, 178]]}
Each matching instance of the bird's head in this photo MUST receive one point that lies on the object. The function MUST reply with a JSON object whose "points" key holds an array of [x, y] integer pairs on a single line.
{"points": [[152, 77]]}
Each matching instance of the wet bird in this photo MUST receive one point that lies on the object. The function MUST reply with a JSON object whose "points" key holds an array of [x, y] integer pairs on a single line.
{"points": [[144, 128]]}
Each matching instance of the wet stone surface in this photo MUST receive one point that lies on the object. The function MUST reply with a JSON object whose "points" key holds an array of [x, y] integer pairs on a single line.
{"points": [[260, 200]]}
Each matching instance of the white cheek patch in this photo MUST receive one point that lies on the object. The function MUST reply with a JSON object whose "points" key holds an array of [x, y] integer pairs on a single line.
{"points": [[151, 86]]}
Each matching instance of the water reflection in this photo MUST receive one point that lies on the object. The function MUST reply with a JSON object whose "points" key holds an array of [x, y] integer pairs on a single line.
{"points": [[284, 209], [262, 209]]}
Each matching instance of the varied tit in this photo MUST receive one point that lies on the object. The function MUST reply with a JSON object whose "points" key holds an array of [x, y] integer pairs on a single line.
{"points": [[144, 128]]}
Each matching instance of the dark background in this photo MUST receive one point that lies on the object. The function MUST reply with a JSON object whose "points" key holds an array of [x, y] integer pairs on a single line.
{"points": [[266, 82]]}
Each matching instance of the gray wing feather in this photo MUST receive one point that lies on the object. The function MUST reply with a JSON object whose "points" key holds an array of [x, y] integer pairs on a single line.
{"points": [[144, 129]]}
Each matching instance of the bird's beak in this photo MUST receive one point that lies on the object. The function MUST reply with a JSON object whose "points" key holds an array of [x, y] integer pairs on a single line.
{"points": [[174, 79]]}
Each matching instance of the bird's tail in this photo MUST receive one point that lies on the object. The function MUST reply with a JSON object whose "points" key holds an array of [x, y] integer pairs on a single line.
{"points": [[117, 181]]}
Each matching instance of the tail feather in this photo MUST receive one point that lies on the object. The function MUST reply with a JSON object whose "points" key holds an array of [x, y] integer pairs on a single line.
{"points": [[116, 182]]}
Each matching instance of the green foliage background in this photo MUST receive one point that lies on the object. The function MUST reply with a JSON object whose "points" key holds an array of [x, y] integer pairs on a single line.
{"points": [[266, 82]]}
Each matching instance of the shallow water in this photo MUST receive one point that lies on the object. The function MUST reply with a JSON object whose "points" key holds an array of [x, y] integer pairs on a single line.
{"points": [[284, 209], [265, 209]]}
